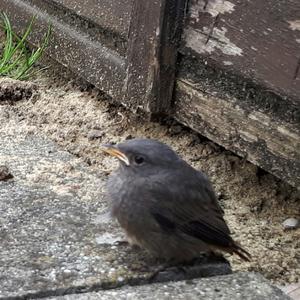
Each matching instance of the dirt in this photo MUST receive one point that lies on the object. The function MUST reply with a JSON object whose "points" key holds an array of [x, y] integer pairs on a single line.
{"points": [[80, 118]]}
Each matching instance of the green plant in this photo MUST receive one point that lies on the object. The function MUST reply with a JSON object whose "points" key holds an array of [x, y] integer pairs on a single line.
{"points": [[16, 60]]}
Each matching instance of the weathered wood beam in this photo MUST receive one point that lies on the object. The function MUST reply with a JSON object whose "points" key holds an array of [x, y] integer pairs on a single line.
{"points": [[154, 33], [239, 80], [258, 40], [112, 15], [69, 46], [266, 141]]}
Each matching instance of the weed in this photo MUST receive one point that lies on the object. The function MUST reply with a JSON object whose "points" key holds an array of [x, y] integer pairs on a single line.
{"points": [[16, 60]]}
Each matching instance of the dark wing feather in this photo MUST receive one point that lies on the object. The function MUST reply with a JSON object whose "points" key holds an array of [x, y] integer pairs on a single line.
{"points": [[166, 224], [183, 202], [186, 203], [207, 233], [197, 229]]}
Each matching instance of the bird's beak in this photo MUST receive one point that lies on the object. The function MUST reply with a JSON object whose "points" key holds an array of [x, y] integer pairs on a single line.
{"points": [[114, 151]]}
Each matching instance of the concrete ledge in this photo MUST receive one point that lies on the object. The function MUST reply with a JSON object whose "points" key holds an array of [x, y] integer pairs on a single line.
{"points": [[246, 286], [55, 234]]}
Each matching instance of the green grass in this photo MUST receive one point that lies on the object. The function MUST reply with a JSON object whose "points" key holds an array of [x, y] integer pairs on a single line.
{"points": [[16, 60]]}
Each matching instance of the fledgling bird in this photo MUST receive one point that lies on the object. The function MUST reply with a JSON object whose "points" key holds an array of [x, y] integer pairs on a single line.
{"points": [[164, 204]]}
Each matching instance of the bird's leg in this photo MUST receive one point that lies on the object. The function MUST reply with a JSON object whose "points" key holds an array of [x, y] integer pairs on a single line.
{"points": [[126, 243], [121, 243], [216, 256], [168, 269], [128, 240]]}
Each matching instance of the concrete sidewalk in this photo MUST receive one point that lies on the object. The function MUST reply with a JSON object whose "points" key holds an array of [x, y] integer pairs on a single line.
{"points": [[245, 286], [56, 237]]}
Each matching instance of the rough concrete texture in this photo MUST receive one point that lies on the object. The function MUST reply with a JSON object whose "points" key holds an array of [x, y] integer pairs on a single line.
{"points": [[55, 234], [246, 286]]}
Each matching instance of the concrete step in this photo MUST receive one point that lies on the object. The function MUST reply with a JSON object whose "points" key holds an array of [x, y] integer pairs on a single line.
{"points": [[246, 286], [55, 233]]}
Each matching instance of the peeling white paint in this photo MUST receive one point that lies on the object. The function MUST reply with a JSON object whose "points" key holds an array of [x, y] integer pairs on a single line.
{"points": [[213, 7], [197, 41], [247, 136], [294, 25], [286, 131], [157, 31], [260, 117]]}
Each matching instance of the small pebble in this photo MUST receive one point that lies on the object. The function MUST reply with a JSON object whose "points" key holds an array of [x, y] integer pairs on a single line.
{"points": [[5, 173], [95, 134], [291, 223]]}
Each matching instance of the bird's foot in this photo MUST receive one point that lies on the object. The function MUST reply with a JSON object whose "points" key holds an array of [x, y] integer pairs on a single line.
{"points": [[121, 243], [170, 270]]}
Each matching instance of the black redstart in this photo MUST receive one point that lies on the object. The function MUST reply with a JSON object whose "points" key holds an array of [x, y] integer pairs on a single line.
{"points": [[165, 205]]}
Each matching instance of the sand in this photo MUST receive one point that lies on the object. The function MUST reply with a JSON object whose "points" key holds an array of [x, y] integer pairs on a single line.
{"points": [[80, 118]]}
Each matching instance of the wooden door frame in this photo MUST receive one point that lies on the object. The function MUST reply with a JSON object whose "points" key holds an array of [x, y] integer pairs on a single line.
{"points": [[154, 36]]}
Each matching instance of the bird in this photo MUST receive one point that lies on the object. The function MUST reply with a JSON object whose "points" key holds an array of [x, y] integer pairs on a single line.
{"points": [[164, 205]]}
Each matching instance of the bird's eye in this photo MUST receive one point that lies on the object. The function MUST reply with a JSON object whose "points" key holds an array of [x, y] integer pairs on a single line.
{"points": [[139, 159]]}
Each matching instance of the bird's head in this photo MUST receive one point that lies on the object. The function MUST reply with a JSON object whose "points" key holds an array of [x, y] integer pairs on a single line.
{"points": [[142, 154]]}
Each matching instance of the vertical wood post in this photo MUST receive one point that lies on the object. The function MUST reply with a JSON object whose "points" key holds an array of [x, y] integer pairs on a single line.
{"points": [[154, 33]]}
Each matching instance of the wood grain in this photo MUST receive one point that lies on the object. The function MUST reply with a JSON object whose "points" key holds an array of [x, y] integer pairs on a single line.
{"points": [[259, 40], [154, 35], [272, 144], [238, 80]]}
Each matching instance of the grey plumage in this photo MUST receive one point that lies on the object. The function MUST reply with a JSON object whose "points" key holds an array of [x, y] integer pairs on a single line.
{"points": [[165, 205]]}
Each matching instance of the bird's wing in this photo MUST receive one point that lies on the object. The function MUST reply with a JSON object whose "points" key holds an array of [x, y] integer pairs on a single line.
{"points": [[189, 206]]}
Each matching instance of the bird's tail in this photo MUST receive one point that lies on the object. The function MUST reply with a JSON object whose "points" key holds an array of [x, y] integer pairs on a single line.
{"points": [[242, 253]]}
